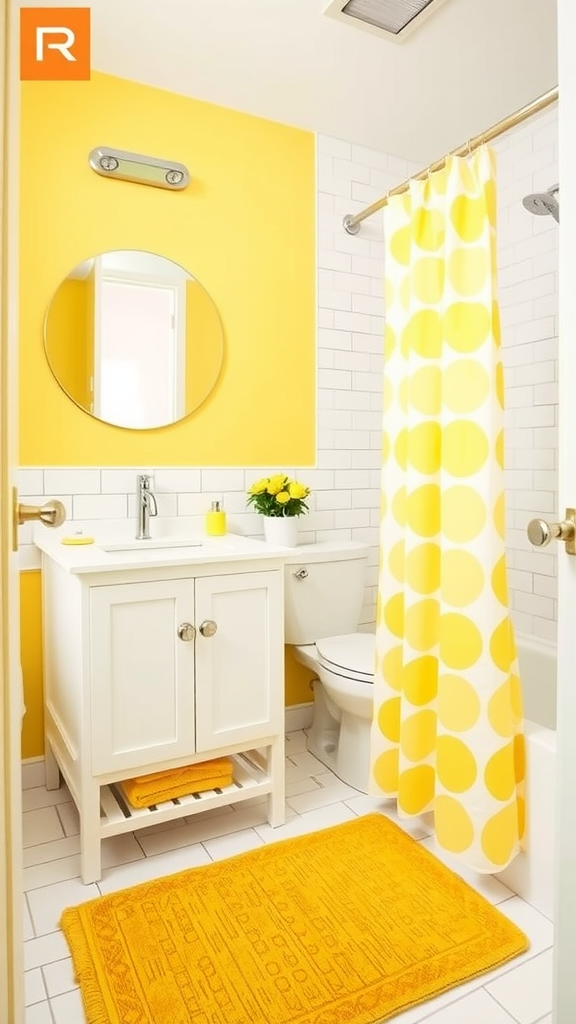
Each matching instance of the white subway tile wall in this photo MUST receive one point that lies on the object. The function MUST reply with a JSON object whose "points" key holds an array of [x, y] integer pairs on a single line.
{"points": [[527, 160], [345, 481]]}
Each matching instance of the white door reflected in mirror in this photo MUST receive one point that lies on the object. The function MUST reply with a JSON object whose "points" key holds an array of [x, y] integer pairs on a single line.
{"points": [[134, 339]]}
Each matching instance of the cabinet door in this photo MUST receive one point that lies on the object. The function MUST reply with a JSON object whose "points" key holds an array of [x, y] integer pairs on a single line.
{"points": [[142, 674], [240, 668]]}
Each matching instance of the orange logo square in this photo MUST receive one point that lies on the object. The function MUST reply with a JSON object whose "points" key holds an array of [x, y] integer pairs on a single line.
{"points": [[55, 44]]}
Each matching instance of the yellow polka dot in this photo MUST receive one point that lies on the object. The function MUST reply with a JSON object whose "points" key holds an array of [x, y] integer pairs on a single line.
{"points": [[462, 578], [499, 516], [426, 390], [396, 560], [416, 789], [468, 217], [385, 448], [403, 393], [490, 201], [400, 245], [519, 758], [392, 667], [502, 645], [460, 641], [499, 775], [466, 325], [418, 735], [385, 771], [463, 514], [454, 828], [500, 581], [424, 447], [423, 334], [405, 293], [496, 326], [389, 719], [500, 383], [401, 448], [394, 614], [503, 710], [420, 680], [468, 270], [499, 449], [464, 448], [428, 229], [499, 838], [400, 506], [387, 394], [423, 510], [423, 568], [455, 764], [388, 292], [465, 385], [458, 703], [421, 624], [428, 279]]}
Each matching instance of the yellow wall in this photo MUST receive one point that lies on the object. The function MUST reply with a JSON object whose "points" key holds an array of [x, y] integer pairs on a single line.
{"points": [[245, 228]]}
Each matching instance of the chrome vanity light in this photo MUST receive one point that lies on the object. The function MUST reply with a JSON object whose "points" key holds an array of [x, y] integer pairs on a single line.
{"points": [[145, 170]]}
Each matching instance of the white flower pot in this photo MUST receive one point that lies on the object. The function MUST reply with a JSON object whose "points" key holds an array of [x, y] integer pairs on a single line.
{"points": [[281, 530]]}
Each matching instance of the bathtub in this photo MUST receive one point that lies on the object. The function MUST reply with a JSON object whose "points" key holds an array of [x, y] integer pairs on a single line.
{"points": [[531, 873]]}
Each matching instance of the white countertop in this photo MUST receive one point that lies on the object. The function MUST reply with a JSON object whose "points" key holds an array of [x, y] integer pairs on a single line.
{"points": [[192, 549]]}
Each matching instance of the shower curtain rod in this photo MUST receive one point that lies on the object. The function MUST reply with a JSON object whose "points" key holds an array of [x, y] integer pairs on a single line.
{"points": [[351, 222]]}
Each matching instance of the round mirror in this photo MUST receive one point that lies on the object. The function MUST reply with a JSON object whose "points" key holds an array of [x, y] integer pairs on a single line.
{"points": [[133, 339]]}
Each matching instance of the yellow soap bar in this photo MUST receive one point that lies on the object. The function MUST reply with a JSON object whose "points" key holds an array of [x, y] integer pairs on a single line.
{"points": [[78, 538]]}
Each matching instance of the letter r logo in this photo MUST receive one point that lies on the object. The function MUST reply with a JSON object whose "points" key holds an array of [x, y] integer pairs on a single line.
{"points": [[55, 43]]}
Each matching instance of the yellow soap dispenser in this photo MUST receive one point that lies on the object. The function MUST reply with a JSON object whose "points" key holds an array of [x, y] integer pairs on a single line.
{"points": [[216, 520]]}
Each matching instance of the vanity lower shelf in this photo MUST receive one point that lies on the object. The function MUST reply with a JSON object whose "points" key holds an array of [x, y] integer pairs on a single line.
{"points": [[250, 778]]}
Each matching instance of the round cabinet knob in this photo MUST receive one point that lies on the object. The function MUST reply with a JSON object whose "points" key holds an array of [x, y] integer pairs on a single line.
{"points": [[186, 631], [208, 627]]}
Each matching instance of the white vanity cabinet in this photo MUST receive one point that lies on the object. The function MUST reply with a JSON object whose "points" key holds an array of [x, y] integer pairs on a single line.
{"points": [[156, 667]]}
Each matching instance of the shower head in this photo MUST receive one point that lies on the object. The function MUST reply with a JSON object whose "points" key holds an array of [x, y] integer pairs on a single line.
{"points": [[543, 203]]}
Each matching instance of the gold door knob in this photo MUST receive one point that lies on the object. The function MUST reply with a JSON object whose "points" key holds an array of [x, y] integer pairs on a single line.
{"points": [[208, 627], [540, 533], [52, 513], [186, 631]]}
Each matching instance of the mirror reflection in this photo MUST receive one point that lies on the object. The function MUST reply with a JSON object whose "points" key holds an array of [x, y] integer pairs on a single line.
{"points": [[133, 339]]}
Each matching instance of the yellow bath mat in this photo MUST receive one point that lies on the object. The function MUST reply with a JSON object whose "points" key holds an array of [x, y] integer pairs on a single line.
{"points": [[348, 925], [146, 790]]}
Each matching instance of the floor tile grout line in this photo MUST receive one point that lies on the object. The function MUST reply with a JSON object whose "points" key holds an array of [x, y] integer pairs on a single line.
{"points": [[501, 1005]]}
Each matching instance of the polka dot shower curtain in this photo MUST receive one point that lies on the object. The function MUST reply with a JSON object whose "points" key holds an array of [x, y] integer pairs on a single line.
{"points": [[447, 730]]}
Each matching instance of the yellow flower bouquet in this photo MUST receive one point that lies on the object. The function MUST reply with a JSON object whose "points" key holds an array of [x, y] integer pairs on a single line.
{"points": [[278, 496]]}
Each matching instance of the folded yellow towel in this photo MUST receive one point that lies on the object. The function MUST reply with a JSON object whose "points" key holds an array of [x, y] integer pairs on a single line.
{"points": [[160, 786]]}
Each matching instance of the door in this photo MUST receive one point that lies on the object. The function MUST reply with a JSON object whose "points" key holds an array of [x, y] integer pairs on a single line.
{"points": [[11, 950], [141, 674], [565, 910], [239, 688]]}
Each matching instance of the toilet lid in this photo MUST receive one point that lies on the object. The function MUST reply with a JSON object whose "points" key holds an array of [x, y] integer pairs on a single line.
{"points": [[351, 655]]}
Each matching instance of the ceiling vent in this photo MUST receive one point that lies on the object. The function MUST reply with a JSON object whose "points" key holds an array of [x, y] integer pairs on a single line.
{"points": [[394, 19]]}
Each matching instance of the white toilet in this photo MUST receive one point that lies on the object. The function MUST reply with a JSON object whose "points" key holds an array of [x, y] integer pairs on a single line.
{"points": [[324, 588]]}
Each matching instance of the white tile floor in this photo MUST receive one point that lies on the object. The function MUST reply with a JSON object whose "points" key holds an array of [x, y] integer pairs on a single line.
{"points": [[518, 993]]}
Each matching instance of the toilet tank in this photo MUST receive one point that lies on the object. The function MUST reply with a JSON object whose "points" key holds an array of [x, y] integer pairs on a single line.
{"points": [[323, 590]]}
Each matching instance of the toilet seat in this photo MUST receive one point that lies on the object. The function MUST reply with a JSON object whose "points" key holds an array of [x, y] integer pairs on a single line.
{"points": [[350, 656]]}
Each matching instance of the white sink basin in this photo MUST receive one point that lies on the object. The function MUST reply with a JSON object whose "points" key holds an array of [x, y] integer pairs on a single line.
{"points": [[153, 544]]}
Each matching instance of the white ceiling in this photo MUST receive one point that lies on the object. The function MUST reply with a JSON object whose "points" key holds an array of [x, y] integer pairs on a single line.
{"points": [[468, 65]]}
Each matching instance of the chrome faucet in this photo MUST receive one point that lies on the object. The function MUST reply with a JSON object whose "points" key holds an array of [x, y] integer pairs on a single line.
{"points": [[146, 506]]}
